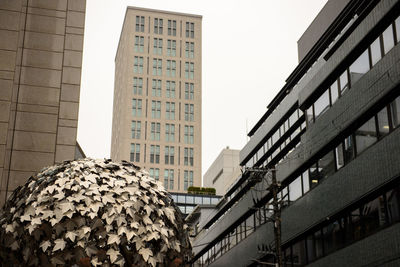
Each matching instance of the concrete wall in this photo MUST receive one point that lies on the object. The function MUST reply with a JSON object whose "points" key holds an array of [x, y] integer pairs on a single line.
{"points": [[40, 71]]}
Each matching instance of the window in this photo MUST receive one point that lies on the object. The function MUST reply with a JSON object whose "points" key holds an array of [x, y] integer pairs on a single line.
{"points": [[155, 173], [169, 176], [189, 134], [169, 132], [154, 154], [189, 91], [366, 135], [189, 112], [188, 156], [393, 204], [171, 68], [140, 23], [344, 82], [171, 48], [138, 64], [155, 109], [306, 182], [314, 176], [155, 131], [359, 67], [388, 39], [170, 90], [376, 52], [322, 104], [395, 112], [136, 107], [157, 46], [189, 49], [137, 86], [189, 70], [135, 153], [158, 26], [170, 111], [135, 129], [189, 30], [169, 155], [326, 165], [157, 66], [139, 44], [339, 156], [383, 122], [334, 92], [348, 151], [295, 189], [156, 88], [397, 26], [187, 179], [172, 27]]}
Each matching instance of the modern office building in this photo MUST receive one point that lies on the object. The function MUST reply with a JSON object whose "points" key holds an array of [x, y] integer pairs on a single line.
{"points": [[332, 134], [41, 46], [157, 96], [223, 171]]}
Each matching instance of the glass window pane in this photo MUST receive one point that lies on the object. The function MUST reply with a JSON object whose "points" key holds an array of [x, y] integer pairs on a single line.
{"points": [[344, 82], [322, 104], [383, 122], [198, 200], [318, 244], [348, 149], [333, 236], [310, 116], [372, 216], [376, 53], [181, 199], [388, 39], [339, 156], [395, 111], [326, 165], [306, 182], [189, 199], [295, 190], [397, 23], [314, 176], [366, 135], [393, 204], [299, 253], [359, 67], [334, 92]]}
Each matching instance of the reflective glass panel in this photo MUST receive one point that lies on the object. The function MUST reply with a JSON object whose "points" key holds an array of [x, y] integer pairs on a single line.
{"points": [[376, 53], [372, 216], [397, 23], [181, 199], [383, 122], [295, 190], [334, 92], [366, 135], [189, 199], [327, 165], [395, 112], [299, 253], [333, 236], [348, 149], [306, 182], [322, 104], [388, 39], [314, 176], [359, 67], [393, 204], [339, 156], [344, 82]]}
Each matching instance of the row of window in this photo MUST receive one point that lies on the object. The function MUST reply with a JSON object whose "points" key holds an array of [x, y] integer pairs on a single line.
{"points": [[269, 146], [170, 71], [156, 110], [158, 47], [156, 88], [155, 132], [169, 176], [158, 26], [169, 154], [195, 199], [378, 126], [378, 48], [363, 220]]}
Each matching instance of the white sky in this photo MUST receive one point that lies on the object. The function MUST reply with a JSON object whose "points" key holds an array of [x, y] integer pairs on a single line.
{"points": [[249, 48]]}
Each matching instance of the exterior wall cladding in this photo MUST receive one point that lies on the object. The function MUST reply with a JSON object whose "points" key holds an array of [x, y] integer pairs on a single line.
{"points": [[349, 214]]}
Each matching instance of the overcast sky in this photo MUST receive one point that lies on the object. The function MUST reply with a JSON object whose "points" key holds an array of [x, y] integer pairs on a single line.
{"points": [[249, 48]]}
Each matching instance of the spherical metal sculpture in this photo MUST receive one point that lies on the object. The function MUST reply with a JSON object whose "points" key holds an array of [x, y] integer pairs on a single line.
{"points": [[92, 213]]}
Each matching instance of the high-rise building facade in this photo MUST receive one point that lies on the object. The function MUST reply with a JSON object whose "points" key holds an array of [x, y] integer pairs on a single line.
{"points": [[41, 45], [157, 96]]}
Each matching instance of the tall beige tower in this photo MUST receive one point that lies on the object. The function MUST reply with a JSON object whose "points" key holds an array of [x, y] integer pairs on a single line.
{"points": [[41, 44], [157, 96]]}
